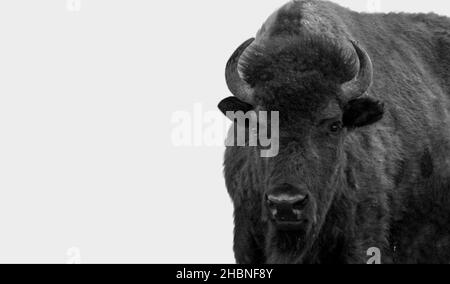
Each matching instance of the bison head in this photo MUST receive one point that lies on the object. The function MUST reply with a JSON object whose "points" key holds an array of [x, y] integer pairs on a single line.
{"points": [[319, 87]]}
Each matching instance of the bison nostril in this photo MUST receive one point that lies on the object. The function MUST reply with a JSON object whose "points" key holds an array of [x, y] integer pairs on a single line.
{"points": [[269, 201], [286, 207], [301, 203]]}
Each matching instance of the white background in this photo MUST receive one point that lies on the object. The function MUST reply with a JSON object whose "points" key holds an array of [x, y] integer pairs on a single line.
{"points": [[88, 168]]}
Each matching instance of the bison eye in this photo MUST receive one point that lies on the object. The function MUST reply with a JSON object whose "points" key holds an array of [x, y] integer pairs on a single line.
{"points": [[335, 127]]}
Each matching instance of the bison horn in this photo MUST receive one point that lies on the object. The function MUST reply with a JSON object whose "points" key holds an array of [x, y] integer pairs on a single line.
{"points": [[358, 86], [238, 87]]}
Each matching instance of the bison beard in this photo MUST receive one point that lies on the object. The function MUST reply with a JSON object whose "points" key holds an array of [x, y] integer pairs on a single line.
{"points": [[364, 148]]}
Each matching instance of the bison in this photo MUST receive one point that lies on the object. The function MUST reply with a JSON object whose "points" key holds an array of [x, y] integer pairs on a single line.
{"points": [[364, 138]]}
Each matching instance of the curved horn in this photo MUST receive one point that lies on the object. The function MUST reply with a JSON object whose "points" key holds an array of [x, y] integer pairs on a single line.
{"points": [[236, 84], [358, 86]]}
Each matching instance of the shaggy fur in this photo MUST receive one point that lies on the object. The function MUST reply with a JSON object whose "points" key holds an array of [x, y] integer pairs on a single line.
{"points": [[378, 183]]}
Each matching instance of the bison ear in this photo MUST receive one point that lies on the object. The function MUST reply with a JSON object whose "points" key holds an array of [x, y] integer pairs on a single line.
{"points": [[362, 112], [233, 104]]}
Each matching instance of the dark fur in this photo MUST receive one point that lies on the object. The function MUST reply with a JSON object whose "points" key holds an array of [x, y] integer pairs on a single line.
{"points": [[391, 190]]}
